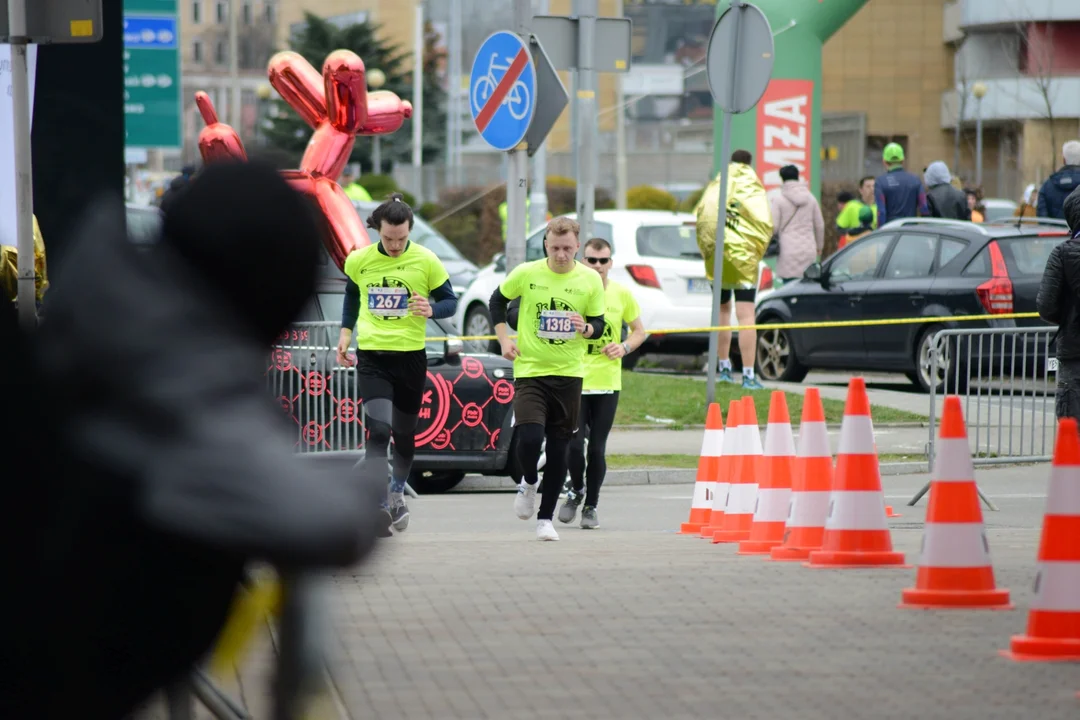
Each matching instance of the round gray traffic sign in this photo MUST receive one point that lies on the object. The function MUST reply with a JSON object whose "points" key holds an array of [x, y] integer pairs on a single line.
{"points": [[740, 58]]}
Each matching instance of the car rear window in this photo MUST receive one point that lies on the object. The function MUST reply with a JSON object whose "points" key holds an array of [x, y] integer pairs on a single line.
{"points": [[1025, 255], [668, 241]]}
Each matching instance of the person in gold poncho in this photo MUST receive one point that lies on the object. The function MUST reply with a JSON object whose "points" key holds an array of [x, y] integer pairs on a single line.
{"points": [[9, 269], [748, 230]]}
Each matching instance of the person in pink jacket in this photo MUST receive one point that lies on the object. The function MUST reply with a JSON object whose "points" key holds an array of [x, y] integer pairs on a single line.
{"points": [[797, 220]]}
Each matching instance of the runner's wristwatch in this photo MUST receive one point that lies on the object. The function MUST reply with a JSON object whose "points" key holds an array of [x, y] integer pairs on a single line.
{"points": [[626, 347]]}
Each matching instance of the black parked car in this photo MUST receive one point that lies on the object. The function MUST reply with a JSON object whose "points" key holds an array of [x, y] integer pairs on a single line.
{"points": [[915, 267]]}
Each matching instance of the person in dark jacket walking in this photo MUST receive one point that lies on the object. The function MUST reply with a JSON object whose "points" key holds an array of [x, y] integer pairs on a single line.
{"points": [[169, 466], [1060, 185], [944, 200], [1058, 302], [898, 193]]}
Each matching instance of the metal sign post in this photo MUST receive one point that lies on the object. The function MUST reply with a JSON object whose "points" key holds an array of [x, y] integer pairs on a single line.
{"points": [[588, 45], [502, 100], [739, 65]]}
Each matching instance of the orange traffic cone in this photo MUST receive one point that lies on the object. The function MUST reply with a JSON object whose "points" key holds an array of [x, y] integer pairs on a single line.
{"points": [[955, 570], [1053, 630], [811, 484], [742, 495], [856, 533], [708, 471], [730, 450], [774, 489]]}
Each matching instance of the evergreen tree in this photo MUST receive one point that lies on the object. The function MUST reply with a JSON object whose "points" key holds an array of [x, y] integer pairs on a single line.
{"points": [[290, 134]]}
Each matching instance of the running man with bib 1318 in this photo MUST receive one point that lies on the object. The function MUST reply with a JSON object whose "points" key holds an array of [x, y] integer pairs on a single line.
{"points": [[388, 289], [600, 388], [562, 306]]}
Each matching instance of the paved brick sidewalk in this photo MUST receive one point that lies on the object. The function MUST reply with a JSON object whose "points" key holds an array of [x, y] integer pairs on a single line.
{"points": [[467, 616]]}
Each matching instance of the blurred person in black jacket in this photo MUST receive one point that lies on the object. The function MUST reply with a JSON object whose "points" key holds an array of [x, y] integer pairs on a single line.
{"points": [[165, 466], [1058, 302]]}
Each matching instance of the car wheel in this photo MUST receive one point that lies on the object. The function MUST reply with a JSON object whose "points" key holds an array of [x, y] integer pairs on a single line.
{"points": [[478, 322], [776, 361], [921, 375], [433, 482], [629, 362]]}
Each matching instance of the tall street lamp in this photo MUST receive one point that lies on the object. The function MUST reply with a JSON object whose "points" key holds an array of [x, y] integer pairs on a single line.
{"points": [[979, 91], [376, 79]]}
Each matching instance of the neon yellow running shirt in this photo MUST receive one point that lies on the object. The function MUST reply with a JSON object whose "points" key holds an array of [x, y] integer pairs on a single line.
{"points": [[547, 341], [601, 372], [386, 284]]}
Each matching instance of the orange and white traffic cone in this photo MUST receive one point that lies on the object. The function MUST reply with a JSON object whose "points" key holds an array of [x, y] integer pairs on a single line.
{"points": [[774, 487], [708, 470], [1053, 629], [732, 447], [955, 570], [811, 484], [856, 532], [742, 495]]}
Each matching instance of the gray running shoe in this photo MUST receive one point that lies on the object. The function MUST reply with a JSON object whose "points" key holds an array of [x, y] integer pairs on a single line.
{"points": [[568, 511], [383, 522], [399, 516], [589, 521]]}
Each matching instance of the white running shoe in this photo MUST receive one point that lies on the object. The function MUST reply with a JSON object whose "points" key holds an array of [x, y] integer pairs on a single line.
{"points": [[525, 501], [545, 530]]}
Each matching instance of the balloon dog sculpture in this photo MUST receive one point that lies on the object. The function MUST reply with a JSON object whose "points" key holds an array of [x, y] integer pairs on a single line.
{"points": [[338, 107]]}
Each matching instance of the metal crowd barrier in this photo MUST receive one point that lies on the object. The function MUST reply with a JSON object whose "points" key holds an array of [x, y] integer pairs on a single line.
{"points": [[318, 393], [1006, 379]]}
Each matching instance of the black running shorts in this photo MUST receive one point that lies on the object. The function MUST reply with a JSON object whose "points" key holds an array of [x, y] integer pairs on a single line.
{"points": [[396, 376], [551, 401]]}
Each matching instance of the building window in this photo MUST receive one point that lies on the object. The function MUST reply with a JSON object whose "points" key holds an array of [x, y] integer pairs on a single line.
{"points": [[196, 51], [220, 53], [271, 12], [246, 13], [222, 12], [196, 11]]}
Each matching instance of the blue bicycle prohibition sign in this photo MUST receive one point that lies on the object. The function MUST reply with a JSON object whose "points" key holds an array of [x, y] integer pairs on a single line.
{"points": [[502, 90]]}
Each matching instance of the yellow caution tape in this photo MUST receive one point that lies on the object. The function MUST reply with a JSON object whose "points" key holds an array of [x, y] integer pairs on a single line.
{"points": [[801, 326]]}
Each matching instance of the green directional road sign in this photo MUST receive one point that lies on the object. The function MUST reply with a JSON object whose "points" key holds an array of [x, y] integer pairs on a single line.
{"points": [[152, 104]]}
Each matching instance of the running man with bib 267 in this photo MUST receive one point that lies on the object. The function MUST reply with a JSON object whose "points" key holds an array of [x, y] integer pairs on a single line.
{"points": [[562, 306], [388, 289]]}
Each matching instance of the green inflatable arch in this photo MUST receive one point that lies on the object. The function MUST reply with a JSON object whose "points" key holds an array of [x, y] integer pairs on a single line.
{"points": [[785, 127]]}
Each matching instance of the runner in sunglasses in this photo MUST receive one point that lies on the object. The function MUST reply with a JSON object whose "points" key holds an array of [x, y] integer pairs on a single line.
{"points": [[600, 388]]}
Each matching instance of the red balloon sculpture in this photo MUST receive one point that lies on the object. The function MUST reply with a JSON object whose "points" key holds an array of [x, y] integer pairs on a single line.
{"points": [[338, 107]]}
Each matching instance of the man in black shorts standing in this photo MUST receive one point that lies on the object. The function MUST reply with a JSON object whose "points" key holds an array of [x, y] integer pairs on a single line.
{"points": [[562, 306], [388, 289]]}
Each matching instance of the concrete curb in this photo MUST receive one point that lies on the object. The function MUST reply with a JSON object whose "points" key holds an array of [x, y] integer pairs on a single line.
{"points": [[830, 426], [656, 476]]}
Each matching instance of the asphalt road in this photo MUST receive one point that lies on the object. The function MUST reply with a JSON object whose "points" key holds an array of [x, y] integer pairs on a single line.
{"points": [[466, 615]]}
